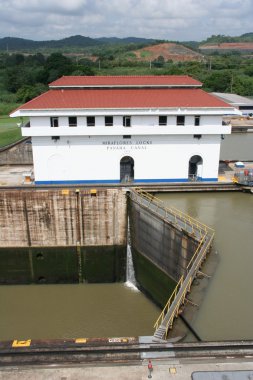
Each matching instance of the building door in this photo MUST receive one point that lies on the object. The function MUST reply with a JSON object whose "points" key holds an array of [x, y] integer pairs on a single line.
{"points": [[126, 169], [195, 168]]}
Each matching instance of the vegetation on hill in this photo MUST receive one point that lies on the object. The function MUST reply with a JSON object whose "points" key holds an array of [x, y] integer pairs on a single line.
{"points": [[14, 44], [24, 75], [220, 38]]}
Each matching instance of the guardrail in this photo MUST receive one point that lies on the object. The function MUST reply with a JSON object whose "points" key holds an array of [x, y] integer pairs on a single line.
{"points": [[177, 299], [201, 232], [173, 215]]}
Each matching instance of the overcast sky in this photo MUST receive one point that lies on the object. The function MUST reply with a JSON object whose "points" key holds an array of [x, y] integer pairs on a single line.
{"points": [[159, 19]]}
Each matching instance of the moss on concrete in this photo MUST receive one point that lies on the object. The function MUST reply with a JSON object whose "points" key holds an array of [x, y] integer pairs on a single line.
{"points": [[54, 265], [152, 281], [104, 264], [14, 266]]}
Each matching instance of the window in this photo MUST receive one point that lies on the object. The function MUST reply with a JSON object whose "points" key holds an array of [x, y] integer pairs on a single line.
{"points": [[162, 120], [180, 120], [127, 136], [73, 121], [197, 120], [127, 121], [54, 122], [108, 121], [197, 136], [55, 138], [90, 121]]}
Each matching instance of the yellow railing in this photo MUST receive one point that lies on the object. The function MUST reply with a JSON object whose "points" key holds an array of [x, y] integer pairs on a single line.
{"points": [[177, 307], [181, 283], [196, 252], [185, 281], [188, 220], [167, 306]]}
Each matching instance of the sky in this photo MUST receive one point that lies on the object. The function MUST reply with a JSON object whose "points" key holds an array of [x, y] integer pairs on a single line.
{"points": [[181, 20]]}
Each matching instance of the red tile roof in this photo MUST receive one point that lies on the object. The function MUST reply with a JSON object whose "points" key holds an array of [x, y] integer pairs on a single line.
{"points": [[123, 98], [129, 80]]}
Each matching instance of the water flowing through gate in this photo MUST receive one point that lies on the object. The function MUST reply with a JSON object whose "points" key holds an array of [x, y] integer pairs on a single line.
{"points": [[130, 274]]}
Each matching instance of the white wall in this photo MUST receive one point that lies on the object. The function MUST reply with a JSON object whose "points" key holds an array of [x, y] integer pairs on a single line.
{"points": [[138, 120], [141, 125], [98, 158]]}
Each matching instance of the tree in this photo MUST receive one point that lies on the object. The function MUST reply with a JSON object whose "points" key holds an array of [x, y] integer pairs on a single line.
{"points": [[56, 66], [27, 92], [218, 81]]}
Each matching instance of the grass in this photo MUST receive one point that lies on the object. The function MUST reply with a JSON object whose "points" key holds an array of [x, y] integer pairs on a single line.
{"points": [[9, 131], [145, 54]]}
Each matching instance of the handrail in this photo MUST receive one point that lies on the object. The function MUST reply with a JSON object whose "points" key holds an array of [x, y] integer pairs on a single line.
{"points": [[196, 252], [173, 295], [182, 290], [185, 286], [194, 223], [205, 238]]}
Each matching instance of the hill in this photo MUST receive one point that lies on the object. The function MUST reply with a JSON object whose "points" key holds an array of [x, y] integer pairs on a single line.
{"points": [[221, 42], [169, 51], [127, 40], [228, 46], [78, 41]]}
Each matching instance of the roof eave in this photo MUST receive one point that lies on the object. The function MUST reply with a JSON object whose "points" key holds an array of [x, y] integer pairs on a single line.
{"points": [[155, 110]]}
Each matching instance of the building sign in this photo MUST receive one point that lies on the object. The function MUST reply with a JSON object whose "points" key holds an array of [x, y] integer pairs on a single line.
{"points": [[126, 144]]}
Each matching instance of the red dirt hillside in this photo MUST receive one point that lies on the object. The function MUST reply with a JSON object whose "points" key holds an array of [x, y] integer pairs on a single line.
{"points": [[228, 46], [169, 51]]}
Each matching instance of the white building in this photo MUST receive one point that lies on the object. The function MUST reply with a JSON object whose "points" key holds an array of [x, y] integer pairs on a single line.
{"points": [[109, 129]]}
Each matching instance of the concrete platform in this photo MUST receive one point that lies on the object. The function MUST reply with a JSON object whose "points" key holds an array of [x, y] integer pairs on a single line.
{"points": [[14, 175], [162, 370]]}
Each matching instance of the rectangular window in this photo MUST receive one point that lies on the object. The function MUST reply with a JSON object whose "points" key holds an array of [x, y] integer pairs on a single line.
{"points": [[197, 120], [126, 136], [54, 122], [73, 121], [108, 121], [180, 120], [162, 120], [90, 121], [127, 121]]}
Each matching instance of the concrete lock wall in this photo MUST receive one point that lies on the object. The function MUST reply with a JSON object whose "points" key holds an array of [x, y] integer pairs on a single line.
{"points": [[18, 153], [161, 252], [62, 236]]}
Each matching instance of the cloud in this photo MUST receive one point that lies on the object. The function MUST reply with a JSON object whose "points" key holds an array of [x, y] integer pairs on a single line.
{"points": [[164, 19]]}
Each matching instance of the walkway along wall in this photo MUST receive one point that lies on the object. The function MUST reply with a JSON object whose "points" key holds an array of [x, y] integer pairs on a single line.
{"points": [[62, 235], [175, 243], [161, 251]]}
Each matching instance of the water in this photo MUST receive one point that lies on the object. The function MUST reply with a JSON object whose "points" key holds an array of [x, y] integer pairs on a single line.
{"points": [[226, 312], [237, 146], [74, 311], [130, 275]]}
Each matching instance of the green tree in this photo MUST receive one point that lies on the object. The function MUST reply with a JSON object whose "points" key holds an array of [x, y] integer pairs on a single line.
{"points": [[218, 81], [56, 66], [28, 92]]}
